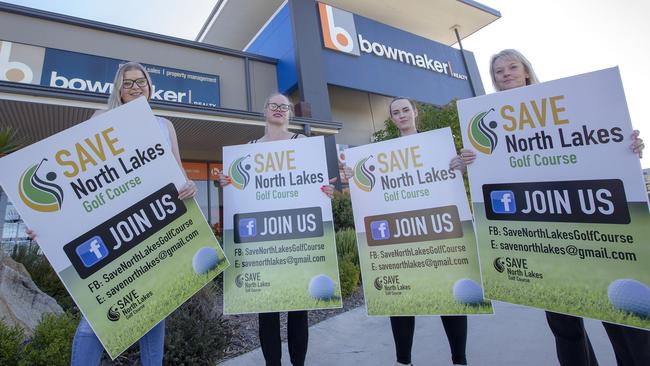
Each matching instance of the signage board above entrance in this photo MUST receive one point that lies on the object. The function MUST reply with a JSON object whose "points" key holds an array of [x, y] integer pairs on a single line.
{"points": [[56, 68], [363, 54]]}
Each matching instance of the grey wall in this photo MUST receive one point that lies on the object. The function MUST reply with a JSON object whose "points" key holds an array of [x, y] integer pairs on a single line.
{"points": [[45, 33], [361, 114], [263, 82]]}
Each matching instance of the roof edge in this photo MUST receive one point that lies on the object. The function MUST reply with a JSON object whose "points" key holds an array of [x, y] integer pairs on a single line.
{"points": [[62, 18], [482, 7], [44, 91]]}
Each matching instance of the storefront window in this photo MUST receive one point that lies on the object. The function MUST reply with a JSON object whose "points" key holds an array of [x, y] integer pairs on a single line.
{"points": [[12, 227]]}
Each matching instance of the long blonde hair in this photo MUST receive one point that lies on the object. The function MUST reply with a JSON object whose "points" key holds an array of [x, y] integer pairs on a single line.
{"points": [[516, 55], [115, 100]]}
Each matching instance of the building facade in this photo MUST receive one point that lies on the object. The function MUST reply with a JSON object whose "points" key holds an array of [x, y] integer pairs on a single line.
{"points": [[339, 61]]}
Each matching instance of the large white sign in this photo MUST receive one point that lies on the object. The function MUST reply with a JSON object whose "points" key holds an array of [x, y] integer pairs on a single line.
{"points": [[278, 228], [559, 201], [414, 228], [102, 197]]}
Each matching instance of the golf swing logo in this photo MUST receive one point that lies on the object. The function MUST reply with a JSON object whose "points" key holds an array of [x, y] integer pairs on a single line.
{"points": [[39, 194], [238, 172], [239, 281], [338, 29], [481, 134], [499, 265], [363, 175], [113, 315], [378, 284]]}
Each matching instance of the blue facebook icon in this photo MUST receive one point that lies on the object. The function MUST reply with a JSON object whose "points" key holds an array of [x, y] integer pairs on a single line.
{"points": [[379, 230], [92, 251], [503, 202], [247, 227]]}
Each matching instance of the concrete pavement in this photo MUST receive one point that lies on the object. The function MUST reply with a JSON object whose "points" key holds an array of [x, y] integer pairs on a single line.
{"points": [[514, 335]]}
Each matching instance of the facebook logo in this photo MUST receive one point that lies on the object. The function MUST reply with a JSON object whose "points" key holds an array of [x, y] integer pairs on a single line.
{"points": [[503, 202], [379, 230], [92, 251], [247, 227]]}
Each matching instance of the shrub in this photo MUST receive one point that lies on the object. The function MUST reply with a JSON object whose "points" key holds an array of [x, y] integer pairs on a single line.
{"points": [[196, 333], [349, 275], [11, 344], [52, 341], [346, 249], [42, 274], [346, 245], [342, 211]]}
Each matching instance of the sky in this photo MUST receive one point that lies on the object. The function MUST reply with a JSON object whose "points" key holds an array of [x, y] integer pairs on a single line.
{"points": [[565, 38], [560, 38]]}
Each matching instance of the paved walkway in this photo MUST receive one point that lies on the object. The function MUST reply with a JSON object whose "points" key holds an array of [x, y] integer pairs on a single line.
{"points": [[515, 335]]}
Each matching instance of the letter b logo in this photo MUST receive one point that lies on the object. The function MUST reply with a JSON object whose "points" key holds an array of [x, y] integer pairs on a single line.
{"points": [[338, 29]]}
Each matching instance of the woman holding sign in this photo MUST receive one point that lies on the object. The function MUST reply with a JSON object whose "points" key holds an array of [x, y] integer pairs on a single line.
{"points": [[132, 81], [403, 114], [509, 69], [277, 112]]}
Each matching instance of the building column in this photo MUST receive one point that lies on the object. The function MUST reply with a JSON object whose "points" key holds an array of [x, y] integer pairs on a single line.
{"points": [[312, 86], [3, 214], [473, 75]]}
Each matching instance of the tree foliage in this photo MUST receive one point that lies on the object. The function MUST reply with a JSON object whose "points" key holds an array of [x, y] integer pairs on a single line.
{"points": [[430, 118], [8, 140]]}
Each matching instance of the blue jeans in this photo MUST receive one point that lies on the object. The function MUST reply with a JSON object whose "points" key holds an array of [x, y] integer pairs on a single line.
{"points": [[87, 349]]}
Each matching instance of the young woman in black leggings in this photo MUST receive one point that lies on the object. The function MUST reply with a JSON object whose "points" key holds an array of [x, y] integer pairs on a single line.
{"points": [[277, 111], [403, 113], [510, 69]]}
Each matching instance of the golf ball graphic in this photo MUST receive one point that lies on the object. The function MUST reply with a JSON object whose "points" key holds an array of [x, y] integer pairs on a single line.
{"points": [[205, 260], [467, 291], [631, 296], [321, 287]]}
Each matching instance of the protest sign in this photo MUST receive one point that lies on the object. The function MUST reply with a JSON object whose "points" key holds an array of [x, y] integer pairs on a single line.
{"points": [[102, 198], [559, 201], [278, 228], [414, 228]]}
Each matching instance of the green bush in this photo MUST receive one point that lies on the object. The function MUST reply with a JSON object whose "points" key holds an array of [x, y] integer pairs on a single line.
{"points": [[346, 249], [346, 245], [11, 344], [52, 341], [342, 211], [42, 274], [349, 275], [196, 333]]}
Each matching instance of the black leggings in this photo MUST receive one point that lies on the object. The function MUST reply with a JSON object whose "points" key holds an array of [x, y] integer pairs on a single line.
{"points": [[297, 336], [455, 327], [631, 345]]}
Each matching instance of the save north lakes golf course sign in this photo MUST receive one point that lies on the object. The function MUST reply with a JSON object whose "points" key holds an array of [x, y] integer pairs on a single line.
{"points": [[102, 197]]}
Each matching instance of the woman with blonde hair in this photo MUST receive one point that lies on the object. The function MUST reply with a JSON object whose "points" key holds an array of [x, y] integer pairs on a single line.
{"points": [[132, 81], [509, 69], [277, 112]]}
